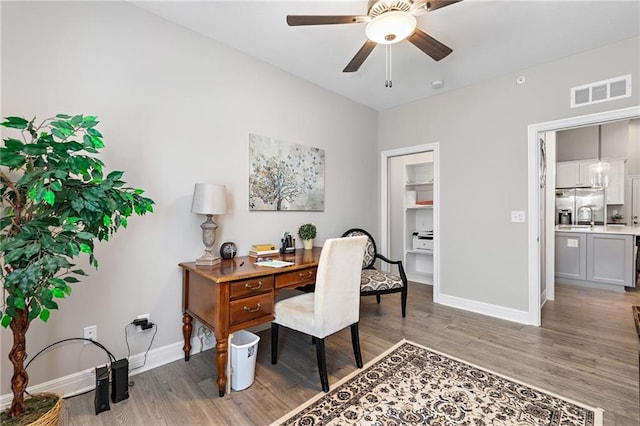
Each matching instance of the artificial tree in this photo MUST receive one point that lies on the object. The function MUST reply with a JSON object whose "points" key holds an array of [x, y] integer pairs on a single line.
{"points": [[56, 204]]}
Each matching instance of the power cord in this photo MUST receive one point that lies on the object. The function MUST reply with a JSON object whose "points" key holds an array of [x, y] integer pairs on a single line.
{"points": [[145, 325], [100, 345]]}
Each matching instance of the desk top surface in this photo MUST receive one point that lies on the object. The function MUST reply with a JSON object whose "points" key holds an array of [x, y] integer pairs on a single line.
{"points": [[245, 267]]}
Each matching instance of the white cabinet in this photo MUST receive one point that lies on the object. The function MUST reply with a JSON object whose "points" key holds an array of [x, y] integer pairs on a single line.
{"points": [[571, 174], [418, 257], [615, 189]]}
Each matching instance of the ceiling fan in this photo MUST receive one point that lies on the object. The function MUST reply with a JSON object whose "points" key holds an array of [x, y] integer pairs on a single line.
{"points": [[388, 22]]}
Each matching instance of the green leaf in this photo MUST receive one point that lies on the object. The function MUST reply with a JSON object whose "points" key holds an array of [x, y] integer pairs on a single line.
{"points": [[50, 197], [58, 293], [56, 282], [106, 220], [71, 279], [56, 186], [10, 159], [34, 311], [15, 123], [73, 219], [19, 304], [83, 235], [76, 120], [6, 320], [34, 149], [85, 248], [13, 144], [44, 315], [63, 116]]}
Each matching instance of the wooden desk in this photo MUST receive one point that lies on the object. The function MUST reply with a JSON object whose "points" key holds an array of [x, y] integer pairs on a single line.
{"points": [[237, 294]]}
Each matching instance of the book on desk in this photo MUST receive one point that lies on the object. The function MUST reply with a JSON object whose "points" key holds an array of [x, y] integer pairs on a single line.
{"points": [[263, 250]]}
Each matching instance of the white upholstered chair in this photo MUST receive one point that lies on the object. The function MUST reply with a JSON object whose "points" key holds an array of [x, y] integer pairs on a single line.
{"points": [[333, 306]]}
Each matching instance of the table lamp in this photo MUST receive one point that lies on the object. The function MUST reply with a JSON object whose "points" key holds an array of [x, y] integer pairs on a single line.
{"points": [[209, 199]]}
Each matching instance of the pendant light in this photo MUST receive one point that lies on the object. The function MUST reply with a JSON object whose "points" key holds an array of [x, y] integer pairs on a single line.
{"points": [[599, 172]]}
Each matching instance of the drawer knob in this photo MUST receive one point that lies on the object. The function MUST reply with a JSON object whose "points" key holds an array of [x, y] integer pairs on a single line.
{"points": [[250, 287], [256, 309], [305, 274]]}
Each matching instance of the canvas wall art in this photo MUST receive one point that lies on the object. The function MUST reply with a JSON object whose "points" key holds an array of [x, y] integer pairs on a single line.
{"points": [[284, 175]]}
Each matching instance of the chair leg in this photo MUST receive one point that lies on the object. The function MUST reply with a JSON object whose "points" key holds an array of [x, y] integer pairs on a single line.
{"points": [[322, 364], [403, 301], [378, 298], [355, 341], [274, 342]]}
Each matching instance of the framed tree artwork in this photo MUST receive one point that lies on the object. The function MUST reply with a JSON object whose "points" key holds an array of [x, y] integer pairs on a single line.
{"points": [[284, 175]]}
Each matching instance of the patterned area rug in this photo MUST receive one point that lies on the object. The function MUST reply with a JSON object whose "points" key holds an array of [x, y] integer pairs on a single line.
{"points": [[412, 385]]}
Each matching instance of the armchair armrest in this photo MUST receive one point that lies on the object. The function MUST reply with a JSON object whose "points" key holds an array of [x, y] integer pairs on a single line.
{"points": [[403, 275]]}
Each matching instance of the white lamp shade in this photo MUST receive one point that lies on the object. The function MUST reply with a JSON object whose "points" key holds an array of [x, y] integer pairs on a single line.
{"points": [[391, 27], [209, 198]]}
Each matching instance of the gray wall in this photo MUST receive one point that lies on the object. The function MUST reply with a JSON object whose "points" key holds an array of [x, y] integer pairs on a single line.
{"points": [[175, 109], [482, 131]]}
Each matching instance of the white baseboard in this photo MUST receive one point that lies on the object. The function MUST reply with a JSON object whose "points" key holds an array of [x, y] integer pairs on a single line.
{"points": [[501, 312], [83, 381]]}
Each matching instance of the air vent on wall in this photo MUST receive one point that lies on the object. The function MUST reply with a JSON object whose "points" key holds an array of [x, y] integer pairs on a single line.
{"points": [[601, 91]]}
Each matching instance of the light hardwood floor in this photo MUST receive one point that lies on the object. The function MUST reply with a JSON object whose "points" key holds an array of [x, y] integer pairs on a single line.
{"points": [[585, 350]]}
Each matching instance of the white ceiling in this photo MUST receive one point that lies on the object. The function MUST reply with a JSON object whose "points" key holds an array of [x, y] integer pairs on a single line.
{"points": [[489, 38]]}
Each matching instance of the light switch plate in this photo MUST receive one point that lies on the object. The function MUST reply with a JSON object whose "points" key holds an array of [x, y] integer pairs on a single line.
{"points": [[572, 242], [517, 216]]}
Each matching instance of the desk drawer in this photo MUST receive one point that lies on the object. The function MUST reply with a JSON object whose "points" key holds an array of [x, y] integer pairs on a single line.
{"points": [[250, 287], [296, 278], [249, 308]]}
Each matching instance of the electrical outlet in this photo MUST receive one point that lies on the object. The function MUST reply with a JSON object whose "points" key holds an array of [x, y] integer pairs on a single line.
{"points": [[143, 316], [91, 332]]}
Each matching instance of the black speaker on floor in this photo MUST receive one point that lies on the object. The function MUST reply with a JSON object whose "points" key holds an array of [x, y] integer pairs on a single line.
{"points": [[119, 380], [102, 390]]}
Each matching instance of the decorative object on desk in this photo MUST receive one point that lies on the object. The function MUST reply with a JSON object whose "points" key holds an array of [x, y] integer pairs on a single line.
{"points": [[410, 381], [228, 250], [263, 251], [288, 243], [209, 199], [57, 204], [285, 176], [307, 232]]}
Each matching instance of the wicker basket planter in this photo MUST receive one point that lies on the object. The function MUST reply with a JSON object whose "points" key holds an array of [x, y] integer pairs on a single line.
{"points": [[50, 418]]}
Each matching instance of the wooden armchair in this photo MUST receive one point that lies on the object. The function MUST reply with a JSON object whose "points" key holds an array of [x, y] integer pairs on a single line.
{"points": [[376, 282]]}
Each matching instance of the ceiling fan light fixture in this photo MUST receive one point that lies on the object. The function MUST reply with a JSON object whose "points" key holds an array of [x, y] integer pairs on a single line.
{"points": [[391, 27]]}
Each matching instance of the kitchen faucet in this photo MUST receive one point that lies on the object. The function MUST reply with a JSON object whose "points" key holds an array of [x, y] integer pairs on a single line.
{"points": [[591, 222]]}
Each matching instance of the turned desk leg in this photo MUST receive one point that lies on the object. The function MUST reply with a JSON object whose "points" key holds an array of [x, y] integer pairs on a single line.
{"points": [[222, 355], [187, 328]]}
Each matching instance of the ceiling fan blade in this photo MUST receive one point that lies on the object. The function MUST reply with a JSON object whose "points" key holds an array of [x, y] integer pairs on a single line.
{"points": [[429, 45], [295, 20], [419, 7], [359, 58], [437, 4]]}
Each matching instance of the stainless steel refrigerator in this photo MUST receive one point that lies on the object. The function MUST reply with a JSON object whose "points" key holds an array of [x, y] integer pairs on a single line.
{"points": [[585, 204]]}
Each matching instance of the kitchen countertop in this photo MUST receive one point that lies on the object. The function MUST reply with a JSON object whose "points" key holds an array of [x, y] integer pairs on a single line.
{"points": [[602, 229]]}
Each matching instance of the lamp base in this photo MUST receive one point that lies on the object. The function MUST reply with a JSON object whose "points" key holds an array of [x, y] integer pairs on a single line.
{"points": [[208, 260]]}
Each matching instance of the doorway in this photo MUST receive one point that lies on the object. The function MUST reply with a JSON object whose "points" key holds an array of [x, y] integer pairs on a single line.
{"points": [[539, 252], [392, 236]]}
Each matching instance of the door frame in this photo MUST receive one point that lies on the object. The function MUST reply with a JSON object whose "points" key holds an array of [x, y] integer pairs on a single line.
{"points": [[385, 238], [534, 131]]}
